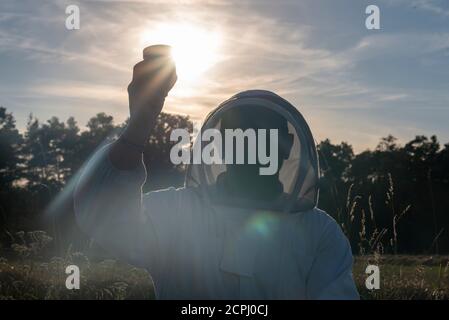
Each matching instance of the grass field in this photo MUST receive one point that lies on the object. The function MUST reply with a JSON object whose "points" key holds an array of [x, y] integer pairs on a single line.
{"points": [[405, 277], [401, 277]]}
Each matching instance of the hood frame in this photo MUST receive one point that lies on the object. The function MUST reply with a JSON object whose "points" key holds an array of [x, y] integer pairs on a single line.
{"points": [[278, 104]]}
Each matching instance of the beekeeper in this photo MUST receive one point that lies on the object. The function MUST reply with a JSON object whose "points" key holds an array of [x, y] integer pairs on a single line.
{"points": [[230, 232]]}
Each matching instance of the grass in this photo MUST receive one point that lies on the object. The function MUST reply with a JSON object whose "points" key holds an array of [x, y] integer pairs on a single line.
{"points": [[405, 277], [107, 279], [402, 277]]}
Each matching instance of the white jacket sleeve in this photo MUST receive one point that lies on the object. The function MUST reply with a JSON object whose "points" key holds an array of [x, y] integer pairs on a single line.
{"points": [[108, 208], [330, 276]]}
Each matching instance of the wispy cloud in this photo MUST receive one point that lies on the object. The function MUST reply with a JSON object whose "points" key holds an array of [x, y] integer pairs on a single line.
{"points": [[362, 82], [42, 53], [434, 6], [80, 90]]}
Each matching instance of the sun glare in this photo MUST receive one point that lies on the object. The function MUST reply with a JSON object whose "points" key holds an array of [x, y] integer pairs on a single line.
{"points": [[194, 50]]}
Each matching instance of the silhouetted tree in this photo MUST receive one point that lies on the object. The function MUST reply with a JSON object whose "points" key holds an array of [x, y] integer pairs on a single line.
{"points": [[10, 143], [396, 194]]}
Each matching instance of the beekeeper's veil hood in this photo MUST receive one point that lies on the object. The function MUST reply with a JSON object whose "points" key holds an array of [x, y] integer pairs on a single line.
{"points": [[294, 185]]}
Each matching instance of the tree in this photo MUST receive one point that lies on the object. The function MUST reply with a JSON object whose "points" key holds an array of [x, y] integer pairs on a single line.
{"points": [[47, 148], [335, 163], [100, 131], [161, 171], [10, 144], [365, 192]]}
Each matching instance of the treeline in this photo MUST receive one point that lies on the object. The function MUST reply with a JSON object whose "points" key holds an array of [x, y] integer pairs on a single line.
{"points": [[393, 199]]}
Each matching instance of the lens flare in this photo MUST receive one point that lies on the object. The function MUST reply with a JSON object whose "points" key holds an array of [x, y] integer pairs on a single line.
{"points": [[194, 50], [263, 224]]}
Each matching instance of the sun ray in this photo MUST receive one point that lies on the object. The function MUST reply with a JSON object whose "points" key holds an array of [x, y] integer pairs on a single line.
{"points": [[194, 50]]}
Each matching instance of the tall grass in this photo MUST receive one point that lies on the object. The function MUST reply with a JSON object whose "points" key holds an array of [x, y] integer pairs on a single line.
{"points": [[29, 273], [402, 277], [24, 277], [370, 239]]}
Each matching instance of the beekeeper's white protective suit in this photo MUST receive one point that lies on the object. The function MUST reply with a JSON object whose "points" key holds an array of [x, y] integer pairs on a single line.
{"points": [[197, 247]]}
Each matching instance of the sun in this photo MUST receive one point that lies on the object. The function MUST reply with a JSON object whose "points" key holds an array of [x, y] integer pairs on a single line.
{"points": [[194, 50]]}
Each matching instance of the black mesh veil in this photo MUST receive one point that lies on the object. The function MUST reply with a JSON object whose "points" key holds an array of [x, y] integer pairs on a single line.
{"points": [[293, 188]]}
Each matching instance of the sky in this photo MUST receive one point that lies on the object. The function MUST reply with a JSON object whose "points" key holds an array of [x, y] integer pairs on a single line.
{"points": [[350, 83]]}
